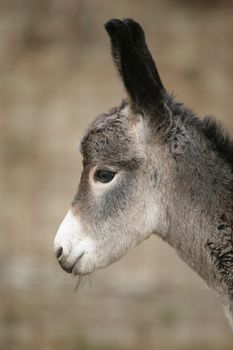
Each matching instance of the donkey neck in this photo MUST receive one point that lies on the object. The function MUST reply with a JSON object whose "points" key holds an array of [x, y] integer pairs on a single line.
{"points": [[200, 227], [188, 236]]}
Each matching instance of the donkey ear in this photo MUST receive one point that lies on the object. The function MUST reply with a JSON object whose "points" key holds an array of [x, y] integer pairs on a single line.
{"points": [[135, 65]]}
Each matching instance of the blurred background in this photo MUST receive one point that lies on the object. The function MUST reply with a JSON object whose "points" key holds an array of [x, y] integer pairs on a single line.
{"points": [[56, 75]]}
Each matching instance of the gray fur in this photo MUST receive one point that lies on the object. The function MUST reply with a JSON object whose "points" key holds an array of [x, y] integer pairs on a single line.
{"points": [[175, 173]]}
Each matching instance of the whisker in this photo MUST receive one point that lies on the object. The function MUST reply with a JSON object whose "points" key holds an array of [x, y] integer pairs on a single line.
{"points": [[90, 282], [78, 283]]}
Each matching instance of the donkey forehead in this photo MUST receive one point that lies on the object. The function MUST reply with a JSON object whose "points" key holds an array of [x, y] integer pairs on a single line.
{"points": [[108, 138]]}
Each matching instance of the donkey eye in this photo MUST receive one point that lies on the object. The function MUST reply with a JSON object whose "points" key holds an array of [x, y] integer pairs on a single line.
{"points": [[104, 176]]}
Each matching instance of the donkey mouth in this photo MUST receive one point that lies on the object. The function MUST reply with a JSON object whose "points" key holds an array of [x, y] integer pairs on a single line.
{"points": [[72, 268]]}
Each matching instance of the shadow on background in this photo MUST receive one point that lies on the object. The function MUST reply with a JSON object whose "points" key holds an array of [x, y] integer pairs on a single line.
{"points": [[56, 75]]}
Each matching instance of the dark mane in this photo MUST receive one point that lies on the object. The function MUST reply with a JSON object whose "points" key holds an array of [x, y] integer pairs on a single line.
{"points": [[212, 129], [219, 138]]}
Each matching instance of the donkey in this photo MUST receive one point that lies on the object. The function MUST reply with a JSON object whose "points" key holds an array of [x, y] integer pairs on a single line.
{"points": [[151, 166]]}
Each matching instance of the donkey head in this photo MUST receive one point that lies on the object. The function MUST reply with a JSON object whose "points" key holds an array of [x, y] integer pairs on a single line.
{"points": [[127, 164]]}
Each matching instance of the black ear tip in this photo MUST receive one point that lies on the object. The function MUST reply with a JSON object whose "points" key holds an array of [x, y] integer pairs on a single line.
{"points": [[129, 21], [133, 26], [112, 25]]}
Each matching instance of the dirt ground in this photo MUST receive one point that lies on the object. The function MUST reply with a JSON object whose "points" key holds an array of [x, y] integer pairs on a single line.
{"points": [[56, 75]]}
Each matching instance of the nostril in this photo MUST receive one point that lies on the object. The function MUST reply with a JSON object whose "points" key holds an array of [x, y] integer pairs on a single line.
{"points": [[59, 253]]}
